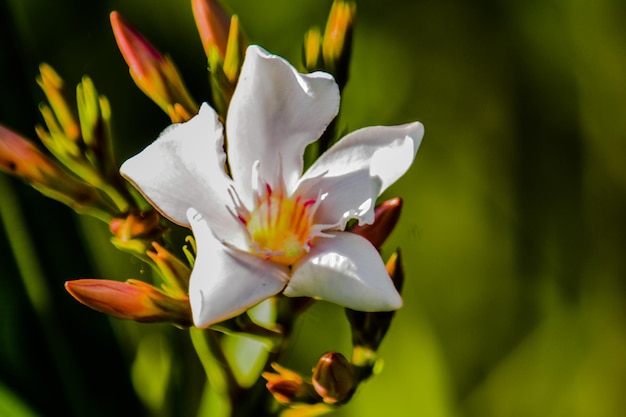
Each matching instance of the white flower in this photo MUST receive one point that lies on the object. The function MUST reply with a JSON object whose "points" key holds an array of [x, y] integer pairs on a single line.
{"points": [[267, 228]]}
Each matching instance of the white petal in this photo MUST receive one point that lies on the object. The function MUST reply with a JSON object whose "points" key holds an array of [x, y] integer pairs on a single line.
{"points": [[276, 111], [388, 152], [350, 195], [345, 270], [225, 282], [184, 168]]}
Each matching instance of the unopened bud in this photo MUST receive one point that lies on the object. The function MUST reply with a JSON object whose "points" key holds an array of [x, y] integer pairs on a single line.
{"points": [[396, 270], [131, 300], [386, 216], [155, 74], [213, 25], [288, 387], [52, 85], [312, 50], [135, 231], [234, 51], [20, 157], [337, 43], [224, 69], [333, 378], [174, 272]]}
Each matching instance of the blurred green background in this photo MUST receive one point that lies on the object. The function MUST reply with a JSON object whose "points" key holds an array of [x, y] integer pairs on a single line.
{"points": [[513, 228]]}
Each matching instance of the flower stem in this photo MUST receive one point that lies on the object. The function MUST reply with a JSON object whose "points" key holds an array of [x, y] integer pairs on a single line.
{"points": [[221, 382]]}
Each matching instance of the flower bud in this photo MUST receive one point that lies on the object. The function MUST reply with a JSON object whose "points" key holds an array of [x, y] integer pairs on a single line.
{"points": [[20, 157], [333, 378], [337, 42], [94, 114], [52, 86], [155, 74], [235, 47], [82, 145], [396, 270], [386, 216], [135, 231], [312, 50], [288, 387], [174, 272], [213, 25], [224, 69], [131, 300]]}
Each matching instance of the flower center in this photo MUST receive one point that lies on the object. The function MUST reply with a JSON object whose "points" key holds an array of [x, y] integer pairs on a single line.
{"points": [[280, 226]]}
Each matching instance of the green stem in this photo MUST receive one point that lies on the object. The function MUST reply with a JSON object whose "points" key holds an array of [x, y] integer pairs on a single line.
{"points": [[221, 382], [120, 201]]}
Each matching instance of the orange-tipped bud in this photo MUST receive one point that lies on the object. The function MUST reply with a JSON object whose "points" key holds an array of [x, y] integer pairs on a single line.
{"points": [[131, 300], [52, 85], [338, 28], [135, 231], [155, 74], [333, 378], [20, 157], [174, 272], [337, 42], [396, 270], [288, 387], [386, 216], [213, 25], [137, 225]]}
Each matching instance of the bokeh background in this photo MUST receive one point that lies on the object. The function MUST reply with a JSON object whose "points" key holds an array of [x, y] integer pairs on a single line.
{"points": [[513, 230]]}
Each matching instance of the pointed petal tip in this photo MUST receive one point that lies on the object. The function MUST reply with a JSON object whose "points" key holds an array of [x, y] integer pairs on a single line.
{"points": [[395, 302], [415, 131]]}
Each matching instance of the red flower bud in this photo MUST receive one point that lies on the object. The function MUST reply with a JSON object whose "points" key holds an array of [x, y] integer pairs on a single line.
{"points": [[386, 217]]}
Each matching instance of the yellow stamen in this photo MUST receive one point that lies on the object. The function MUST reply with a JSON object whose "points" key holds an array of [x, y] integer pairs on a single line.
{"points": [[280, 226]]}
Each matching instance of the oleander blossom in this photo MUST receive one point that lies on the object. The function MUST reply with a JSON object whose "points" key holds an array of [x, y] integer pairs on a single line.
{"points": [[267, 228]]}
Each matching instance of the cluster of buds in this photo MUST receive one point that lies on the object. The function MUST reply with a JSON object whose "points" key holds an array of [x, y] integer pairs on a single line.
{"points": [[156, 75], [79, 169], [332, 383], [81, 172], [140, 232], [21, 158], [331, 52]]}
